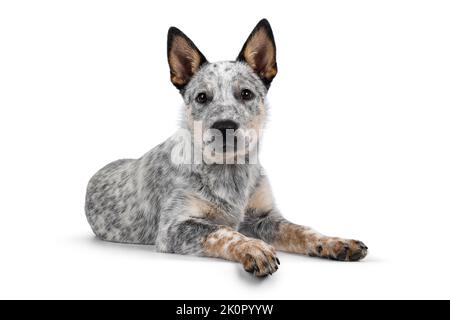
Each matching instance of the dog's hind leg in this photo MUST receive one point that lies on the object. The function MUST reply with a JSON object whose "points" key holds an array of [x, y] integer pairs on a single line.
{"points": [[263, 221]]}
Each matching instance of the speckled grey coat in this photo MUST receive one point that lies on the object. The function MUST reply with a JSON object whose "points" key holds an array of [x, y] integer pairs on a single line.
{"points": [[210, 209]]}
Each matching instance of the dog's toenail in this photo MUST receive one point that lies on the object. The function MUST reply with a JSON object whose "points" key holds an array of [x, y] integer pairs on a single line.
{"points": [[319, 249]]}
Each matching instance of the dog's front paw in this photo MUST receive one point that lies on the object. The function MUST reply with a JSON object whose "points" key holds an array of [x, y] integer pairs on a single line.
{"points": [[259, 258], [342, 249]]}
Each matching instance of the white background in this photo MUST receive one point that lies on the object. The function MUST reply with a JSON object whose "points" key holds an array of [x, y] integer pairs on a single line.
{"points": [[358, 143]]}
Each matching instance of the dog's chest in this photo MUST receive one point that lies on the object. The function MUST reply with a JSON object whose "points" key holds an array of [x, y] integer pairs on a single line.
{"points": [[228, 190]]}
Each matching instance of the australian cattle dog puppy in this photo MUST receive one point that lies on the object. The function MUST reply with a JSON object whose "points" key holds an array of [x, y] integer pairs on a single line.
{"points": [[203, 191]]}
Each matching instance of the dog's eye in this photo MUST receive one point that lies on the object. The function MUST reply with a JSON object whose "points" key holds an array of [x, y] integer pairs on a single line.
{"points": [[201, 98], [247, 95]]}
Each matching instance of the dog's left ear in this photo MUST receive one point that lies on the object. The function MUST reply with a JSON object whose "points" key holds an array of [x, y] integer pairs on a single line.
{"points": [[183, 56], [259, 52]]}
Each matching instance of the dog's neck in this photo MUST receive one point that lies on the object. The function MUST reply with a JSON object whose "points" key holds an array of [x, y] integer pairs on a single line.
{"points": [[233, 183], [230, 182]]}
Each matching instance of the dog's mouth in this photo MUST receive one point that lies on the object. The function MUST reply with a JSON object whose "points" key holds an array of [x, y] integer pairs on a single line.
{"points": [[234, 147], [219, 140], [227, 144], [231, 142]]}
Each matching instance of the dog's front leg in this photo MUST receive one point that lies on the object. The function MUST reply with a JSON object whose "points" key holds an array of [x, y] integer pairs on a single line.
{"points": [[262, 220], [295, 238], [190, 231]]}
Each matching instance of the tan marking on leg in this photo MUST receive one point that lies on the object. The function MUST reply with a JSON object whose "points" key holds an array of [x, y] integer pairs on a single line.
{"points": [[223, 242], [295, 238], [201, 208], [304, 240], [261, 198], [256, 256]]}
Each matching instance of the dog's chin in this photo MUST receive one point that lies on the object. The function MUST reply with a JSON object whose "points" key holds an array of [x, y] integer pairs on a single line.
{"points": [[227, 155], [228, 149], [231, 153], [231, 149]]}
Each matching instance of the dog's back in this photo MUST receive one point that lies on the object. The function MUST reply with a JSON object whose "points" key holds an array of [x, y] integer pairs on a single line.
{"points": [[124, 198]]}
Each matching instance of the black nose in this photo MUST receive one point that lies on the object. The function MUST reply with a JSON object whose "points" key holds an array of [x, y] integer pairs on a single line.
{"points": [[223, 125]]}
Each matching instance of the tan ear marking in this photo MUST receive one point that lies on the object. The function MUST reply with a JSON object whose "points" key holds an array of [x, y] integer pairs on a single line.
{"points": [[259, 52], [183, 56]]}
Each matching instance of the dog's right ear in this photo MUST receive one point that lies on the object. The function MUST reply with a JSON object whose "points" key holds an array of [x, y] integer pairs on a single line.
{"points": [[184, 58]]}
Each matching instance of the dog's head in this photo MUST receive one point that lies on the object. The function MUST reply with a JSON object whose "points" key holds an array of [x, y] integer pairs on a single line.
{"points": [[227, 97]]}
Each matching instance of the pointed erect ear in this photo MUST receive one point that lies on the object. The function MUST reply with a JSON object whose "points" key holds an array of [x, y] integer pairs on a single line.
{"points": [[184, 57], [259, 52]]}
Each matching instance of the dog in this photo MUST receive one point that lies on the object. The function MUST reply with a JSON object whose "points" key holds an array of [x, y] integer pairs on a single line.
{"points": [[207, 207]]}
